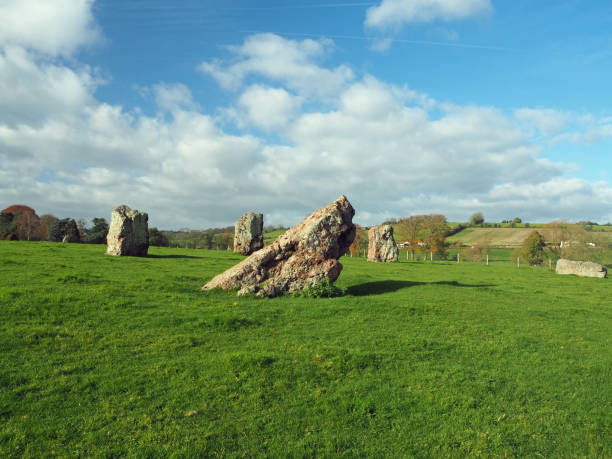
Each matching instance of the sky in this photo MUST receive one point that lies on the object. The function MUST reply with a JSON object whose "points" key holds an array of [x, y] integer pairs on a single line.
{"points": [[199, 111]]}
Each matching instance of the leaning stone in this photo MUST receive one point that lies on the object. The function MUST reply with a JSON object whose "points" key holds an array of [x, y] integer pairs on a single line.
{"points": [[581, 268], [381, 245], [248, 234], [128, 233], [302, 257]]}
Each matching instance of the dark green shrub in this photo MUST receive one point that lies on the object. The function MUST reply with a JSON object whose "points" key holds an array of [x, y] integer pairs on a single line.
{"points": [[157, 238], [97, 234], [65, 228]]}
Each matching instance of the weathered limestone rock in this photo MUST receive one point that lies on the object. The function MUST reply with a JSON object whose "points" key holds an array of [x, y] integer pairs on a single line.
{"points": [[581, 268], [128, 233], [248, 233], [381, 245], [304, 256]]}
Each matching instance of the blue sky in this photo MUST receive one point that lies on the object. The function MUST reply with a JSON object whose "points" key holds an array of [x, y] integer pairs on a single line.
{"points": [[199, 111]]}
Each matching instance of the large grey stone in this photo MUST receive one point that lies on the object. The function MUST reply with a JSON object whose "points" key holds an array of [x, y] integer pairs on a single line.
{"points": [[581, 268], [304, 256], [128, 233], [381, 245], [248, 233]]}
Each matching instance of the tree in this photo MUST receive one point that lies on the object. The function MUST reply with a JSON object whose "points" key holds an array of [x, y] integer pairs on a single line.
{"points": [[46, 221], [7, 225], [157, 238], [517, 220], [26, 222], [435, 229], [64, 230], [412, 227], [532, 250], [478, 252], [28, 226], [98, 232], [360, 242], [477, 219], [426, 233]]}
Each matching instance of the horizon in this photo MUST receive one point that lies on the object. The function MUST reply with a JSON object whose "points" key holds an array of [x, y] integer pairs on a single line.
{"points": [[200, 113]]}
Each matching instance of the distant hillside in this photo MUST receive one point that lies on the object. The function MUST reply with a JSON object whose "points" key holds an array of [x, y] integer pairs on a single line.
{"points": [[494, 237], [514, 237]]}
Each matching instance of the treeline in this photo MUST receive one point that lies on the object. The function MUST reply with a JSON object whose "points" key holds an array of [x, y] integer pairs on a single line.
{"points": [[19, 222], [425, 234], [211, 238]]}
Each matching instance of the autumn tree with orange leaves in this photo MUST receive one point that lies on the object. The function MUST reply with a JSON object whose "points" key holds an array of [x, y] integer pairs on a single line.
{"points": [[27, 223], [360, 243], [426, 233]]}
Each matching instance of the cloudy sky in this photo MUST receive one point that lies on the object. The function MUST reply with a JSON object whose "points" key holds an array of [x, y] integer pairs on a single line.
{"points": [[199, 111]]}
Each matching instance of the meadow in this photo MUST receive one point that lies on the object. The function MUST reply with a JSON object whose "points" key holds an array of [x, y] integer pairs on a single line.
{"points": [[104, 356]]}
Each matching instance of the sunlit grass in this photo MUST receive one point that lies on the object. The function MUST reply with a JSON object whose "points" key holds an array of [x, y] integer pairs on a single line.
{"points": [[118, 356]]}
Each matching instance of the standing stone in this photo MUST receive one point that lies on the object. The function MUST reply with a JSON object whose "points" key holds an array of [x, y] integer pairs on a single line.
{"points": [[303, 256], [580, 268], [248, 233], [128, 233], [382, 246]]}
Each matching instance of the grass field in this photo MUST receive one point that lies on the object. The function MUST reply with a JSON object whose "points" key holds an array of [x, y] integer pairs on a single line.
{"points": [[104, 356]]}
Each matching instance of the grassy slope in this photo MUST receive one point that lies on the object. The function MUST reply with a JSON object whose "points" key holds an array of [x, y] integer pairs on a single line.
{"points": [[511, 237], [106, 356]]}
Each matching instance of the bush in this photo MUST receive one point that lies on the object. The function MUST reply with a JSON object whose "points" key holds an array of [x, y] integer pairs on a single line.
{"points": [[324, 289], [157, 238], [477, 219], [476, 253], [532, 250]]}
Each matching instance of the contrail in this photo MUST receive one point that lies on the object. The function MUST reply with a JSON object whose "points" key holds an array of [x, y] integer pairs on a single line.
{"points": [[393, 40], [287, 7], [145, 6]]}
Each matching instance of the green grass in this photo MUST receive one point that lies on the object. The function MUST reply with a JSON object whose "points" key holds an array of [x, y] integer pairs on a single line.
{"points": [[104, 356], [271, 236]]}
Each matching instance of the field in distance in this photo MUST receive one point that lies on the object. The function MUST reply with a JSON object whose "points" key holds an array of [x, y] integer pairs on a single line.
{"points": [[514, 237], [105, 356]]}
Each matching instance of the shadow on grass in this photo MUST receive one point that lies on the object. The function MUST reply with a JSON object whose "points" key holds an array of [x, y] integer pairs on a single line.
{"points": [[171, 256], [376, 288]]}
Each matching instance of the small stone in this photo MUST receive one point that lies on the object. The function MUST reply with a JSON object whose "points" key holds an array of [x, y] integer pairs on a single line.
{"points": [[128, 233], [580, 268], [248, 234], [382, 246]]}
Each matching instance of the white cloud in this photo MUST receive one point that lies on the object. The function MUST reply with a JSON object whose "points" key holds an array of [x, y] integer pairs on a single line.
{"points": [[381, 44], [268, 108], [291, 62], [391, 150], [53, 27], [173, 97], [31, 89], [394, 13], [545, 120]]}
